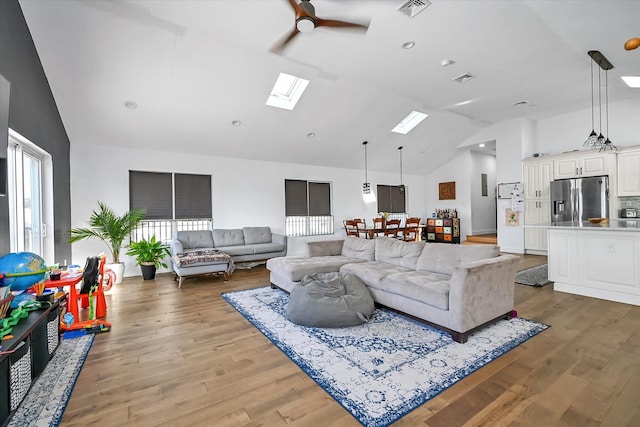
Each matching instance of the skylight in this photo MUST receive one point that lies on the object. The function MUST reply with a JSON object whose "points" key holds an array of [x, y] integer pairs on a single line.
{"points": [[409, 122], [287, 91], [632, 81]]}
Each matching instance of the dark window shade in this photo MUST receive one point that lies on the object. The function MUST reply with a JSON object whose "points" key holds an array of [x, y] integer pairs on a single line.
{"points": [[319, 199], [397, 200], [384, 198], [295, 195], [193, 196], [151, 191], [391, 199]]}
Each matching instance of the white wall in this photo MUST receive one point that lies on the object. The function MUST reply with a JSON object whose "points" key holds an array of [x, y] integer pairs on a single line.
{"points": [[483, 208], [567, 132], [459, 171], [245, 192]]}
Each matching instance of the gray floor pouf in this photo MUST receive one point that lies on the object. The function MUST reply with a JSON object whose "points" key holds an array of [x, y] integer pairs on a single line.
{"points": [[330, 300]]}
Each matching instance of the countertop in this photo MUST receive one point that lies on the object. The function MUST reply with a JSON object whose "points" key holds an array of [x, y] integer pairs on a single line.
{"points": [[613, 225]]}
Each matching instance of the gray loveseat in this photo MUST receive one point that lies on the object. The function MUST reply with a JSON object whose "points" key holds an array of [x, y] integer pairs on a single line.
{"points": [[196, 252], [456, 288]]}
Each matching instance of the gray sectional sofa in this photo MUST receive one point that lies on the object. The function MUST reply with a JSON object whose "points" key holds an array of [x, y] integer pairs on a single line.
{"points": [[456, 288], [242, 245]]}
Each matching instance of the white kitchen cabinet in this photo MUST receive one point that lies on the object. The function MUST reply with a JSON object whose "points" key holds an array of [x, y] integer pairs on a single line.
{"points": [[536, 211], [537, 176], [600, 263], [629, 173], [580, 165]]}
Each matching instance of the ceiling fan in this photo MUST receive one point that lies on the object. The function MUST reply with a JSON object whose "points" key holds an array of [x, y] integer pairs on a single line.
{"points": [[307, 21]]}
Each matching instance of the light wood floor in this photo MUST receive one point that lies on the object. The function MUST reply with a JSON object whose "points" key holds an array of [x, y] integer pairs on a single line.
{"points": [[187, 358]]}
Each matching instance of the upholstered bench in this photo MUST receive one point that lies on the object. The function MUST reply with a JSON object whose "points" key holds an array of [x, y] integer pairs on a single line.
{"points": [[200, 261]]}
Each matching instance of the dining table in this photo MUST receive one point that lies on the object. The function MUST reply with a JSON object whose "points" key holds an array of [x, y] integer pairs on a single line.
{"points": [[373, 231]]}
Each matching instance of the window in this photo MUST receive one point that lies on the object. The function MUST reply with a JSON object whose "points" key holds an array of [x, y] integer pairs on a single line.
{"points": [[173, 202], [391, 198], [30, 199], [307, 208]]}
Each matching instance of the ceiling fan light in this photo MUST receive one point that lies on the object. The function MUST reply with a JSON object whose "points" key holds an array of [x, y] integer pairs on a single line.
{"points": [[305, 24]]}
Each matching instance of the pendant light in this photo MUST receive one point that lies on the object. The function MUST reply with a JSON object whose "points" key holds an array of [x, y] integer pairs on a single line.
{"points": [[366, 186], [401, 185], [608, 145], [593, 137]]}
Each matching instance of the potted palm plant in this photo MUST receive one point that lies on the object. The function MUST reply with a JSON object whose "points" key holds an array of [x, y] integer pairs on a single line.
{"points": [[112, 229], [149, 255]]}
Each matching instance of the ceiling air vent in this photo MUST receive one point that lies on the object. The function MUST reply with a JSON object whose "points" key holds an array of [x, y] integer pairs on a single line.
{"points": [[413, 7], [464, 78], [520, 103]]}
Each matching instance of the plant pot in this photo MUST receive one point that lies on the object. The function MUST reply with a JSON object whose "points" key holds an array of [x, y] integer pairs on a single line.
{"points": [[148, 271], [118, 269]]}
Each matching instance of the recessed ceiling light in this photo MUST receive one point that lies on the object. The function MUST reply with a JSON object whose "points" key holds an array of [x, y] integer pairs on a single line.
{"points": [[409, 122], [447, 62], [408, 45], [236, 122], [311, 135], [286, 91], [130, 105], [481, 145], [632, 81]]}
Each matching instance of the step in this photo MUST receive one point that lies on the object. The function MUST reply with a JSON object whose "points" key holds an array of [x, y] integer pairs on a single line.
{"points": [[487, 239]]}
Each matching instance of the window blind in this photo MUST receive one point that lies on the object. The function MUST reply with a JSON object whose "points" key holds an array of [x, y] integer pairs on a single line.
{"points": [[151, 191], [193, 196]]}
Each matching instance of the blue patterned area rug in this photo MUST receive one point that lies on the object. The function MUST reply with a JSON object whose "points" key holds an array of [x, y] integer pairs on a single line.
{"points": [[385, 368], [47, 400]]}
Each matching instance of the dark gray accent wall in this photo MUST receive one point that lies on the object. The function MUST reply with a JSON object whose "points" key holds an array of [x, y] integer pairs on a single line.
{"points": [[33, 113]]}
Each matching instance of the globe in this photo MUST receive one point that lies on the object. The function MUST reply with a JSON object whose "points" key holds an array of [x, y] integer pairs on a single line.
{"points": [[22, 270]]}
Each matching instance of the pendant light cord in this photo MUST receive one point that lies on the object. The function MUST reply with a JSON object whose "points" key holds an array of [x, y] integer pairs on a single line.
{"points": [[600, 99], [400, 148], [366, 178], [592, 114], [606, 97]]}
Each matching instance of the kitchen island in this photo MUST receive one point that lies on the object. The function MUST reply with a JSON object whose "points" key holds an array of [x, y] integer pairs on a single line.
{"points": [[595, 260]]}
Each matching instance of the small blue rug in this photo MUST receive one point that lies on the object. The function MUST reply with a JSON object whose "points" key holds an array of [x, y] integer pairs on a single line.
{"points": [[47, 400], [385, 368]]}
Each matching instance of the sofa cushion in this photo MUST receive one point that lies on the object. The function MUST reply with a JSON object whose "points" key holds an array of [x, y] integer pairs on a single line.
{"points": [[193, 239], [295, 268], [444, 257], [330, 300], [428, 288], [355, 247], [325, 247], [233, 237], [265, 248], [256, 235], [236, 250], [372, 273], [398, 252]]}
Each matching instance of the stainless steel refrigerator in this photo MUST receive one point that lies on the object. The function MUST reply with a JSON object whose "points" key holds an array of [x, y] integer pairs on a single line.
{"points": [[579, 199]]}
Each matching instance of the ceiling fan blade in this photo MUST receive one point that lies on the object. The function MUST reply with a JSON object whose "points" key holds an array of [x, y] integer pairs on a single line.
{"points": [[341, 24], [282, 43]]}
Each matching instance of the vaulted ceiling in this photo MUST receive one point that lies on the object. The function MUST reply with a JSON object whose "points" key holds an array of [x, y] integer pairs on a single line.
{"points": [[194, 67]]}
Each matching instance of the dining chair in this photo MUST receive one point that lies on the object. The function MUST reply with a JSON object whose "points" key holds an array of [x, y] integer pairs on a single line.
{"points": [[392, 228], [378, 226], [411, 229], [351, 228], [362, 225]]}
